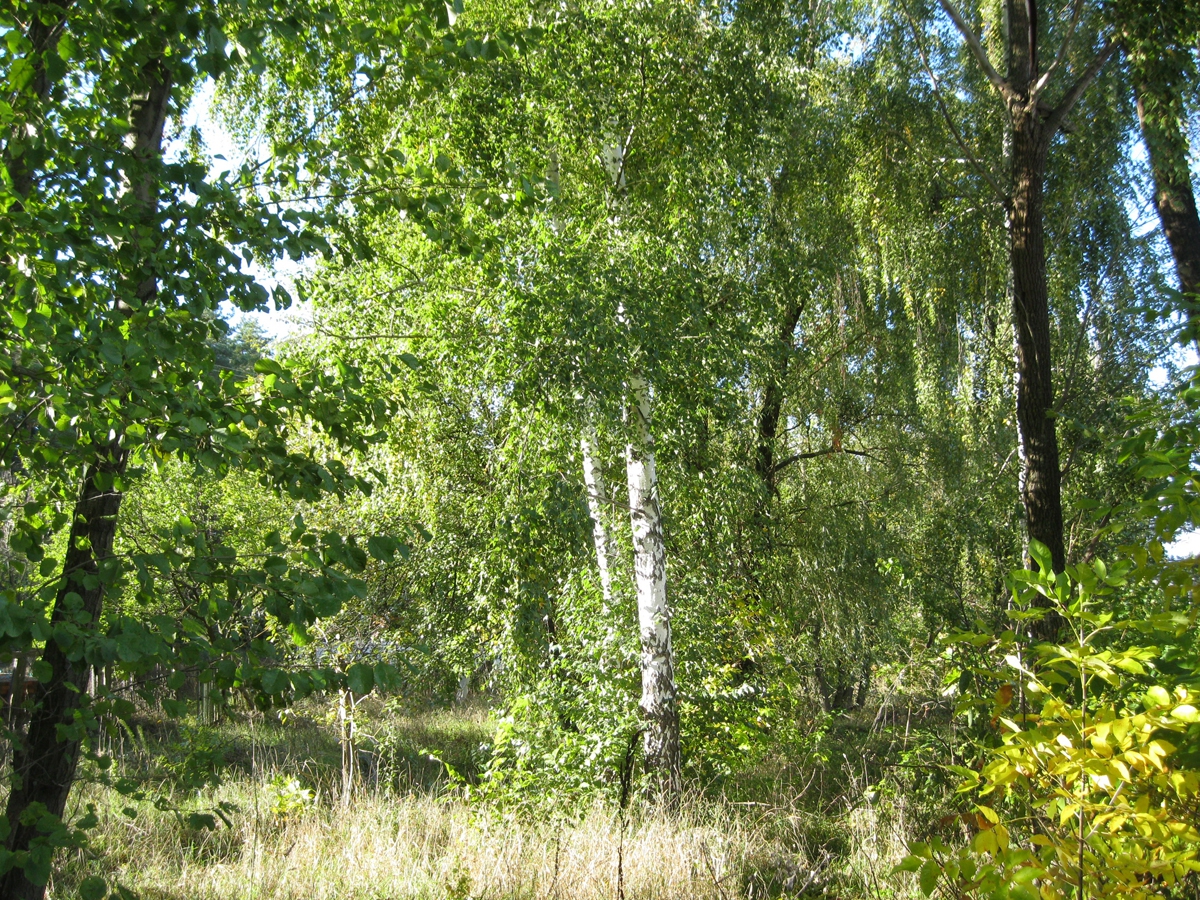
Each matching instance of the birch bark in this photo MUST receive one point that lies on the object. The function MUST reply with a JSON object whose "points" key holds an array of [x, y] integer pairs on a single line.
{"points": [[659, 705], [597, 497]]}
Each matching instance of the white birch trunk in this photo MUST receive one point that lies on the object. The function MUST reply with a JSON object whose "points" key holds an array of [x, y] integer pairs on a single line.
{"points": [[597, 497], [650, 574], [346, 736]]}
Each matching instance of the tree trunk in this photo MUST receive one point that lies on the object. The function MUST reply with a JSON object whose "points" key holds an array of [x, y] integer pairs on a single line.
{"points": [[1041, 491], [659, 703], [41, 35], [347, 732], [1160, 111], [44, 762], [597, 498], [772, 405]]}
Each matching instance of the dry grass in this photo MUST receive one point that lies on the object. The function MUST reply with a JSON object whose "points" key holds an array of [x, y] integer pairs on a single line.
{"points": [[406, 838], [422, 847], [419, 846]]}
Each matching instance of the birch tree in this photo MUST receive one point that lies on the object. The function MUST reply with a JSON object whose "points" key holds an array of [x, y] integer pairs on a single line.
{"points": [[659, 702], [598, 499], [1083, 45]]}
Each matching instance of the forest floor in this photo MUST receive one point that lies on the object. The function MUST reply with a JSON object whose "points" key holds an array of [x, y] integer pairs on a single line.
{"points": [[831, 825]]}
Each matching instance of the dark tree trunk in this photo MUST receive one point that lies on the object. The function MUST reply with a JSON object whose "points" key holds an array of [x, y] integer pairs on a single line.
{"points": [[837, 689], [1042, 483], [1033, 126], [773, 396], [44, 762], [42, 35], [1160, 112]]}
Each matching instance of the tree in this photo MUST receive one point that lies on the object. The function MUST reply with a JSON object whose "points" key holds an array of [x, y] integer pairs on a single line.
{"points": [[1159, 42], [1033, 125], [44, 763], [117, 258]]}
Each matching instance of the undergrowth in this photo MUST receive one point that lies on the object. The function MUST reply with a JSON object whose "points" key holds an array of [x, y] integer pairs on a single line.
{"points": [[832, 823]]}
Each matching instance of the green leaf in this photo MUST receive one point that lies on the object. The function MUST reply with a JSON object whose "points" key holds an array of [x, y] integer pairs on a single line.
{"points": [[929, 877], [387, 679], [908, 864], [382, 548], [176, 709], [93, 888], [1041, 555], [275, 681], [360, 679], [66, 46]]}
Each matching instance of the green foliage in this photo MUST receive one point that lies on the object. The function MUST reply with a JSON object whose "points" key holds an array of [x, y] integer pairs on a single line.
{"points": [[117, 258], [195, 761], [1092, 788], [289, 796], [796, 248]]}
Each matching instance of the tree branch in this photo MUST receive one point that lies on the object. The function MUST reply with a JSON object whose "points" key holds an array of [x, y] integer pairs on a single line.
{"points": [[1055, 119], [941, 102], [1062, 52], [813, 454], [977, 50]]}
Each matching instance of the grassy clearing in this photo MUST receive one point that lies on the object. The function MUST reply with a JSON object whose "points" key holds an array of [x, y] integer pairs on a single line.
{"points": [[290, 834]]}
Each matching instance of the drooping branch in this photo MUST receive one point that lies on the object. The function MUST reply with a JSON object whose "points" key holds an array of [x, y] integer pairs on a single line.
{"points": [[814, 454], [941, 102]]}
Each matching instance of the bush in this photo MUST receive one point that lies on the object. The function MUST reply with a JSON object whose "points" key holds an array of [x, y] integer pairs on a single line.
{"points": [[1087, 792]]}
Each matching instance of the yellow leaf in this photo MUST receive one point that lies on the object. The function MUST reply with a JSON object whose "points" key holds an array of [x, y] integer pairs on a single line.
{"points": [[1158, 751], [1120, 729], [1186, 713], [1101, 746], [985, 841], [1157, 696]]}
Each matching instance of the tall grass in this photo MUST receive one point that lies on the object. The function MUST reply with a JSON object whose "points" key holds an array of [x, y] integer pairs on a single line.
{"points": [[290, 835], [420, 846]]}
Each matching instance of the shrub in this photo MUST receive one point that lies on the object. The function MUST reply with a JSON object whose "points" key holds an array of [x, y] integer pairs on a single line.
{"points": [[1087, 792]]}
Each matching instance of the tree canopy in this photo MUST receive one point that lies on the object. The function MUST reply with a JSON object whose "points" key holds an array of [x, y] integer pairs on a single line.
{"points": [[682, 373]]}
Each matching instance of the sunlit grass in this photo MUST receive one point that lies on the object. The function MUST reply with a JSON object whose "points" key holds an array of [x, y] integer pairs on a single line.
{"points": [[290, 834]]}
